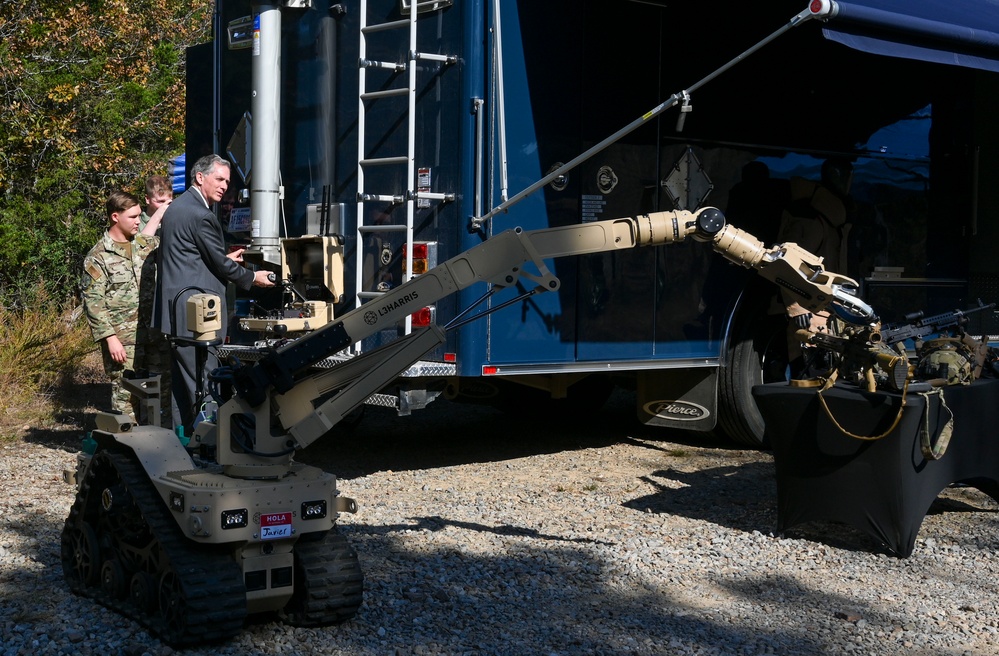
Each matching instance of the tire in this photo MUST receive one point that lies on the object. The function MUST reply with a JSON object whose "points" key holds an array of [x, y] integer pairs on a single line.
{"points": [[756, 354]]}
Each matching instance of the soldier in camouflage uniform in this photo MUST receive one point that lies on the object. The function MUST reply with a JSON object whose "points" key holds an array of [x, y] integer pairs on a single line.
{"points": [[159, 192], [113, 293]]}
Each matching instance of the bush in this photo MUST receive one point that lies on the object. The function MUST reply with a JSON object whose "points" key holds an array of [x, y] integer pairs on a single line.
{"points": [[88, 105], [44, 241], [40, 350]]}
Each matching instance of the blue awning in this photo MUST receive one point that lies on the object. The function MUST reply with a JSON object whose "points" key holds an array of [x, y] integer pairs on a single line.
{"points": [[959, 32], [178, 173]]}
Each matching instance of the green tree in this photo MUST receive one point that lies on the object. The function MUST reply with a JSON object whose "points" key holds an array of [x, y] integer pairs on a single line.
{"points": [[91, 99]]}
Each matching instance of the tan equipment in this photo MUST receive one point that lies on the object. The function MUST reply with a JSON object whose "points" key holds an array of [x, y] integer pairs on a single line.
{"points": [[189, 540]]}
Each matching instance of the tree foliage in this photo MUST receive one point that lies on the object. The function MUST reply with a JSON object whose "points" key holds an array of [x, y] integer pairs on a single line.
{"points": [[91, 100]]}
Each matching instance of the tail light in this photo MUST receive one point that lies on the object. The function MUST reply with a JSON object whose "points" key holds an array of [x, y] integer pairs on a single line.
{"points": [[424, 259], [424, 317]]}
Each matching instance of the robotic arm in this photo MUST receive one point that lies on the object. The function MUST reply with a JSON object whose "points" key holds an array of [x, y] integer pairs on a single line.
{"points": [[500, 262], [798, 272], [281, 376]]}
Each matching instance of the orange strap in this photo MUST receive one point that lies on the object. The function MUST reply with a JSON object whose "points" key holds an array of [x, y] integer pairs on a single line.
{"points": [[870, 438]]}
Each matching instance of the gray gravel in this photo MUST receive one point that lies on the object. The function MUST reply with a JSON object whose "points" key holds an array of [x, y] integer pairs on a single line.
{"points": [[481, 533]]}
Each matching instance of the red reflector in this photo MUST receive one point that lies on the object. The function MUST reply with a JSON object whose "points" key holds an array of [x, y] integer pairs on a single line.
{"points": [[420, 251], [421, 318], [450, 357], [489, 370]]}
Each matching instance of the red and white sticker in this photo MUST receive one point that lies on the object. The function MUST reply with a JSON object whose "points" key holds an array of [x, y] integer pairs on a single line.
{"points": [[275, 525]]}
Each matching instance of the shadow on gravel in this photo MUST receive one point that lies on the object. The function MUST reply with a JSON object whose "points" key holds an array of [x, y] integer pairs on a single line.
{"points": [[524, 601], [742, 497], [76, 415], [447, 434], [438, 523], [531, 602]]}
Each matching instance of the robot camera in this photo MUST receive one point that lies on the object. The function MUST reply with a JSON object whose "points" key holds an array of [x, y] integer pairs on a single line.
{"points": [[204, 316]]}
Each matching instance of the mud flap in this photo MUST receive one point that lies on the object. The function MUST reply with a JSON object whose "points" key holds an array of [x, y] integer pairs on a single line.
{"points": [[679, 398]]}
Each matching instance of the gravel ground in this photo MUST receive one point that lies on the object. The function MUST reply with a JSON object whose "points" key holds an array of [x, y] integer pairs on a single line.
{"points": [[485, 533]]}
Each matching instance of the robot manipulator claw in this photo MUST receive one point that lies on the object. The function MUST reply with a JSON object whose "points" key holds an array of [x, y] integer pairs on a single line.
{"points": [[850, 308], [802, 277], [799, 272]]}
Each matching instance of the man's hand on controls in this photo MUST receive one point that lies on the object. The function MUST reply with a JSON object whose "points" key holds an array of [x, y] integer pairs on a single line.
{"points": [[263, 279]]}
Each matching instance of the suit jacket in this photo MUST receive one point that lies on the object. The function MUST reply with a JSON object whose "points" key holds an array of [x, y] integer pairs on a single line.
{"points": [[192, 254]]}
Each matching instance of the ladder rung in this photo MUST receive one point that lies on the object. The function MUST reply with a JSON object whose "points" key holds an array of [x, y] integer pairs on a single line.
{"points": [[387, 93], [391, 227], [448, 59], [392, 66], [380, 27], [433, 196], [425, 5], [384, 161], [363, 198]]}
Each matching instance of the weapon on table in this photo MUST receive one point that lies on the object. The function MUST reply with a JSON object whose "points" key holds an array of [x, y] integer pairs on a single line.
{"points": [[863, 358], [873, 356], [919, 326]]}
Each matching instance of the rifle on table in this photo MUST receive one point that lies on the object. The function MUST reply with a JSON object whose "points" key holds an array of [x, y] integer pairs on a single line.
{"points": [[874, 356], [863, 358], [919, 326]]}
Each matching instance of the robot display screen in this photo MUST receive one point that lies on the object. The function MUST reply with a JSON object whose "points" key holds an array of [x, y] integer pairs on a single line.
{"points": [[313, 272]]}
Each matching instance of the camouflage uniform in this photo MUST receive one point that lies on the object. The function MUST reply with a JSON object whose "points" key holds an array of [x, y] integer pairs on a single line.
{"points": [[118, 302]]}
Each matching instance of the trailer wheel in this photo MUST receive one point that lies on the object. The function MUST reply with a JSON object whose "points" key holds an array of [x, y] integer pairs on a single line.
{"points": [[757, 353]]}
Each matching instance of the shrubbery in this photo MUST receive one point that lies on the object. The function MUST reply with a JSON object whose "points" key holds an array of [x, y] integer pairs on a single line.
{"points": [[91, 99], [42, 348], [43, 243]]}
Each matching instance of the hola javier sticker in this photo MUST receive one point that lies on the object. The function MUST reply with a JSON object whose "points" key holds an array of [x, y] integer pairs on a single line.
{"points": [[275, 525]]}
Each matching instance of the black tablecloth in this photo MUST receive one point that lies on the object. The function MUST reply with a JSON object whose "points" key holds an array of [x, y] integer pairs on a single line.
{"points": [[883, 487]]}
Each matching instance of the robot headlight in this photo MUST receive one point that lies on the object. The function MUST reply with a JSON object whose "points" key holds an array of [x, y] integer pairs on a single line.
{"points": [[314, 509], [235, 518]]}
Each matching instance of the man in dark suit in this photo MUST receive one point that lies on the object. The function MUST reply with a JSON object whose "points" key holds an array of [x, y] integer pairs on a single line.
{"points": [[193, 260]]}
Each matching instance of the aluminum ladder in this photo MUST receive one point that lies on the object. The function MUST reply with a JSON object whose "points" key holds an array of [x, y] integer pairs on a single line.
{"points": [[409, 196]]}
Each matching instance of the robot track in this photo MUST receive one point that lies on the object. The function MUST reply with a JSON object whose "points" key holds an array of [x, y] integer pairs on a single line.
{"points": [[121, 548], [328, 581]]}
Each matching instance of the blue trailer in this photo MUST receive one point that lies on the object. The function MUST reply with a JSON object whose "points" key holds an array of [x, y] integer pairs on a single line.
{"points": [[411, 131]]}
